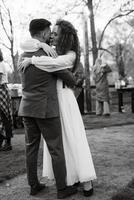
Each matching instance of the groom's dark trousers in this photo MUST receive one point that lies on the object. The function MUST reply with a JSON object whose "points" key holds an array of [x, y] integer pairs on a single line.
{"points": [[40, 110], [51, 131]]}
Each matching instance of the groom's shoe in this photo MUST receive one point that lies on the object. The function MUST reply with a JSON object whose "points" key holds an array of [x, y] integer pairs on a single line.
{"points": [[36, 189], [68, 191]]}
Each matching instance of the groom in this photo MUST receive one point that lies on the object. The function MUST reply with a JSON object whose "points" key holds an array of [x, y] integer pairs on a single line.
{"points": [[40, 110]]}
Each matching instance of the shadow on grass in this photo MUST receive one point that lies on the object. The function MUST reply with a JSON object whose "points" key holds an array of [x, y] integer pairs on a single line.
{"points": [[13, 164], [126, 193]]}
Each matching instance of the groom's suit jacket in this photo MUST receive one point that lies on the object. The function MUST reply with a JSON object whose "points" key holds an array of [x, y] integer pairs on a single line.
{"points": [[39, 92]]}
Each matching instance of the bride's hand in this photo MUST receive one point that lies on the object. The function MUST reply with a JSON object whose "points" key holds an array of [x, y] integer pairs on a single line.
{"points": [[24, 64], [49, 50]]}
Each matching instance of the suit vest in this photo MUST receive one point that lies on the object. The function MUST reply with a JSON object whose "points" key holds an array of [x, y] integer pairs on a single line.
{"points": [[39, 92]]}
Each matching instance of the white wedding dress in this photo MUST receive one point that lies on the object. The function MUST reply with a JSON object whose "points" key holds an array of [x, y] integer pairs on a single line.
{"points": [[78, 157]]}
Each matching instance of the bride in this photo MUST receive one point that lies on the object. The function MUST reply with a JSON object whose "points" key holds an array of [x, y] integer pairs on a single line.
{"points": [[79, 163]]}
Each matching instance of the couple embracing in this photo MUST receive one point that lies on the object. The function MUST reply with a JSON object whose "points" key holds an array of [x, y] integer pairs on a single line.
{"points": [[49, 108]]}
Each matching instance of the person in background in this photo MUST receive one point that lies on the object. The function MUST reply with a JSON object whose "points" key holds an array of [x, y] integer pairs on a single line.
{"points": [[5, 109], [100, 72]]}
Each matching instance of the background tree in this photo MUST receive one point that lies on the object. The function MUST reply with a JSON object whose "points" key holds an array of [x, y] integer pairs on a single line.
{"points": [[125, 9], [7, 36]]}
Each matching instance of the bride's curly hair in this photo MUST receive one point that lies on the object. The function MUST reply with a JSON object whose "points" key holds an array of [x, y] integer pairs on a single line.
{"points": [[68, 40]]}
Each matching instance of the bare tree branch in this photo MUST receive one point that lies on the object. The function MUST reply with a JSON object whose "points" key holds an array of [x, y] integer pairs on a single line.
{"points": [[1, 19], [4, 4], [11, 30], [103, 49], [85, 1], [112, 19], [76, 4], [10, 21], [6, 15], [96, 6], [2, 23], [2, 43]]}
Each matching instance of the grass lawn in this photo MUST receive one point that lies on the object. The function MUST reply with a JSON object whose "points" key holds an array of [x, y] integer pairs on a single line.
{"points": [[116, 119], [12, 163], [112, 150]]}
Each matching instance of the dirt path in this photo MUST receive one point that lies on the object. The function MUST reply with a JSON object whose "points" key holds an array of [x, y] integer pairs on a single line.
{"points": [[112, 150]]}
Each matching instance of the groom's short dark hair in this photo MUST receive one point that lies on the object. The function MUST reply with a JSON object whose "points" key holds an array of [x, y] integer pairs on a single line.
{"points": [[37, 25]]}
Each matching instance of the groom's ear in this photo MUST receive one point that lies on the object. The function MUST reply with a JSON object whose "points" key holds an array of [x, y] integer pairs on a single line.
{"points": [[44, 34]]}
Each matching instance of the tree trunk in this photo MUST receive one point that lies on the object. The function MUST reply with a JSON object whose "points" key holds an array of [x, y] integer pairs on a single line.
{"points": [[16, 78], [87, 66], [119, 60], [93, 33]]}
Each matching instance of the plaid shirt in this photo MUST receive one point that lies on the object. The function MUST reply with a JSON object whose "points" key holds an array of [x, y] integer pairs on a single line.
{"points": [[5, 103]]}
